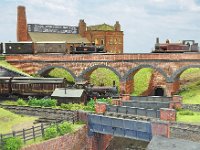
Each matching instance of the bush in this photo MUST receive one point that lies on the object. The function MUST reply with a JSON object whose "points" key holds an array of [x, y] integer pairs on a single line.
{"points": [[50, 132], [13, 143], [42, 102], [71, 106], [21, 102], [186, 112], [64, 128]]}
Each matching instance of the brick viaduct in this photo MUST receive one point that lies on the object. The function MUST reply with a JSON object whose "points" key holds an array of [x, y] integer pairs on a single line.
{"points": [[167, 67]]}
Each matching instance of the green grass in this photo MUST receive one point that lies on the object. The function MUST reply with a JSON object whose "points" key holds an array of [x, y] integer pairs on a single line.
{"points": [[190, 86], [104, 76], [61, 73], [5, 64], [8, 102], [141, 81], [9, 120], [188, 116]]}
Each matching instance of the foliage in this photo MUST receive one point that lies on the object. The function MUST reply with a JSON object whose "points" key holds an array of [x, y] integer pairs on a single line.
{"points": [[8, 102], [50, 132], [8, 120], [71, 106], [13, 143], [89, 107], [61, 73], [186, 112], [42, 102], [141, 81], [188, 116], [21, 102], [64, 128], [60, 129], [104, 76], [5, 64]]}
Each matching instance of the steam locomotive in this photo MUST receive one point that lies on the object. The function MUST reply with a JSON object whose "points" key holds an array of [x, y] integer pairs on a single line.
{"points": [[181, 47], [48, 47]]}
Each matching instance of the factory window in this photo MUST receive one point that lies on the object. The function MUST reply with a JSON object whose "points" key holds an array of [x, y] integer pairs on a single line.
{"points": [[102, 41]]}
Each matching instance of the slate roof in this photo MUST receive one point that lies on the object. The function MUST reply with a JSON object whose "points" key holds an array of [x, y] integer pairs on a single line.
{"points": [[60, 92], [101, 27], [56, 37]]}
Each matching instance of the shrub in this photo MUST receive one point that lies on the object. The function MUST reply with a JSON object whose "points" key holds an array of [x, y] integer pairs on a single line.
{"points": [[50, 132], [186, 112], [21, 102], [71, 106], [64, 127], [42, 102], [13, 143]]}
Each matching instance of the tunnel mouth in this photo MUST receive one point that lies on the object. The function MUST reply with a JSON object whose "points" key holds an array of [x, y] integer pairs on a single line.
{"points": [[159, 91]]}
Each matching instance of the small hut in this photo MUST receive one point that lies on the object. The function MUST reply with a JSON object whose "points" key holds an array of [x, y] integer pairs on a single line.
{"points": [[64, 95]]}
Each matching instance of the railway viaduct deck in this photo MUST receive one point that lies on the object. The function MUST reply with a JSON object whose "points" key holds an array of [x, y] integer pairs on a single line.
{"points": [[168, 67]]}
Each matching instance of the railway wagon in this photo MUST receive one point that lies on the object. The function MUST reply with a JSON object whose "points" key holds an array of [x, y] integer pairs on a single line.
{"points": [[19, 48], [50, 47], [28, 86], [179, 47]]}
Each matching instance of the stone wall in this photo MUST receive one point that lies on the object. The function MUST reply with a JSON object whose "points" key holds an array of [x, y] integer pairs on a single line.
{"points": [[43, 112], [185, 131], [192, 107]]}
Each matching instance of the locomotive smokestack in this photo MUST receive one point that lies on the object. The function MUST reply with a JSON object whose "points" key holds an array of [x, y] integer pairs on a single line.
{"points": [[157, 40]]}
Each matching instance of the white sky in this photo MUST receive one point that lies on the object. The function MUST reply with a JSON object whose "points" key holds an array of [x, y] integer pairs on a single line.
{"points": [[141, 20]]}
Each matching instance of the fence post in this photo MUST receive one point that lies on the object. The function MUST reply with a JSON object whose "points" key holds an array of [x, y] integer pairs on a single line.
{"points": [[24, 136], [33, 132], [13, 133], [42, 129], [1, 141]]}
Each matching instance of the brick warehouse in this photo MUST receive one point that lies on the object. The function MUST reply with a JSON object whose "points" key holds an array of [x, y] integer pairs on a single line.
{"points": [[109, 36]]}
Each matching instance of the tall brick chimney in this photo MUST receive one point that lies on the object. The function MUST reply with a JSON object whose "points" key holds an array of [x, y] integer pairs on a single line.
{"points": [[22, 30], [82, 27], [117, 26]]}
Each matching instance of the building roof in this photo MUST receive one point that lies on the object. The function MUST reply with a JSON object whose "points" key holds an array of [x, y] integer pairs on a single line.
{"points": [[101, 27], [60, 92], [56, 37]]}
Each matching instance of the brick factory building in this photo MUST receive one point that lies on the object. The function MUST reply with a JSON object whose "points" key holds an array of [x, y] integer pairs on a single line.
{"points": [[109, 36]]}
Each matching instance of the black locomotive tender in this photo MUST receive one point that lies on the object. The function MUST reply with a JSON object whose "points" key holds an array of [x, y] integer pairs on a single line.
{"points": [[41, 87], [48, 47]]}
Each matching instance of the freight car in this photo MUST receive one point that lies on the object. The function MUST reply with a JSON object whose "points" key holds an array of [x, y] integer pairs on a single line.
{"points": [[47, 48], [180, 47]]}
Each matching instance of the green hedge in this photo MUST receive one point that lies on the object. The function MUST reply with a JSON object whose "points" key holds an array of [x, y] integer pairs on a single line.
{"points": [[13, 143], [42, 102]]}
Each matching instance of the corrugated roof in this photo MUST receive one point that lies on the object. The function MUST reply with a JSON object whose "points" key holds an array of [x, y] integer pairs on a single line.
{"points": [[69, 38], [60, 92], [101, 27]]}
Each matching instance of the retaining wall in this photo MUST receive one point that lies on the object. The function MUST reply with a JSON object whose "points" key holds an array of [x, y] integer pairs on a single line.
{"points": [[192, 107], [133, 111]]}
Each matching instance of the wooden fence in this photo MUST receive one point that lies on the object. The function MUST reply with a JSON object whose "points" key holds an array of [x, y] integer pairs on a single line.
{"points": [[26, 134]]}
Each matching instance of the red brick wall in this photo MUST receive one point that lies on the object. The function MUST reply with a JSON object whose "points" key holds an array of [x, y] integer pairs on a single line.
{"points": [[22, 30], [160, 129], [167, 114], [75, 141], [113, 40]]}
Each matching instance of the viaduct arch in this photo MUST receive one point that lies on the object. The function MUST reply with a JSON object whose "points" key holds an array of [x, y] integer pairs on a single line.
{"points": [[169, 66]]}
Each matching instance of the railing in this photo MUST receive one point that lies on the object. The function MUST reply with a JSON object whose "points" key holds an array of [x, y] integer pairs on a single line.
{"points": [[26, 134]]}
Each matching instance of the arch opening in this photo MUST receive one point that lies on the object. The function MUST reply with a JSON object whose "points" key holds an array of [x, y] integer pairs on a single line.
{"points": [[58, 72], [159, 91]]}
